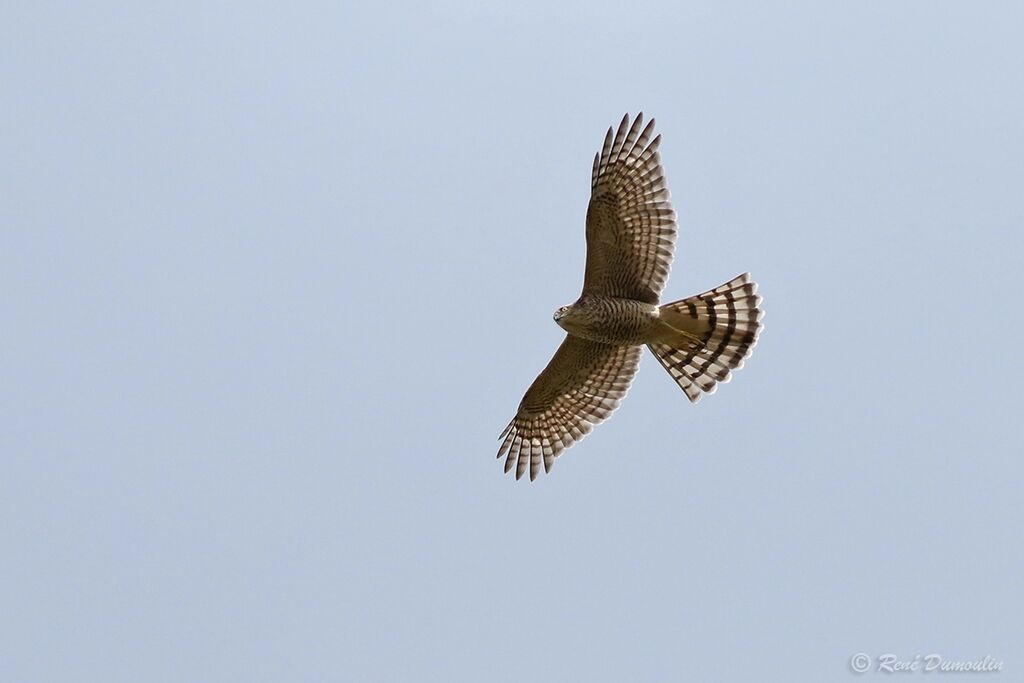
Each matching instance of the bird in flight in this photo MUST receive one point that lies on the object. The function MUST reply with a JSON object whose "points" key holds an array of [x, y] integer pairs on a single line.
{"points": [[631, 236]]}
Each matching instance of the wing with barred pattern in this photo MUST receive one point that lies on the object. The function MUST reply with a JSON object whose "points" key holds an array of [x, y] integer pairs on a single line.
{"points": [[581, 387], [631, 226]]}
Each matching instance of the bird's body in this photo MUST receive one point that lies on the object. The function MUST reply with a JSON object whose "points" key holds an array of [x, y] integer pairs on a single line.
{"points": [[612, 320], [631, 234]]}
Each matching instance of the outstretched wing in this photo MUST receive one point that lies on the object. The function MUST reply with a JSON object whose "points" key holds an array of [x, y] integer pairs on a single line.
{"points": [[580, 387], [631, 226]]}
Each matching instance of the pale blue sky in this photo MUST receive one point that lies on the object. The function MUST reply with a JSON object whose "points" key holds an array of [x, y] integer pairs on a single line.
{"points": [[274, 276]]}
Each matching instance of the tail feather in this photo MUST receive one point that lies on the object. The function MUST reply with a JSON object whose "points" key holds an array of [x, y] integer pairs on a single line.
{"points": [[707, 336]]}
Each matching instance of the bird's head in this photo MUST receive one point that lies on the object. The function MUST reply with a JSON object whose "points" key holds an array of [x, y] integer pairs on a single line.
{"points": [[572, 318], [561, 312]]}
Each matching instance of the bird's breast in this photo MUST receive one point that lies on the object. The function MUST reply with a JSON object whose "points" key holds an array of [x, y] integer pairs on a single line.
{"points": [[611, 320]]}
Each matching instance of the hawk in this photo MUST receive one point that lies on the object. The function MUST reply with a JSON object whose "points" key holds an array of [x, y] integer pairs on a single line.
{"points": [[631, 236]]}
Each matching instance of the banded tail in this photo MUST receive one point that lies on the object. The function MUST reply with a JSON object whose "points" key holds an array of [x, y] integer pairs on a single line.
{"points": [[707, 336]]}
